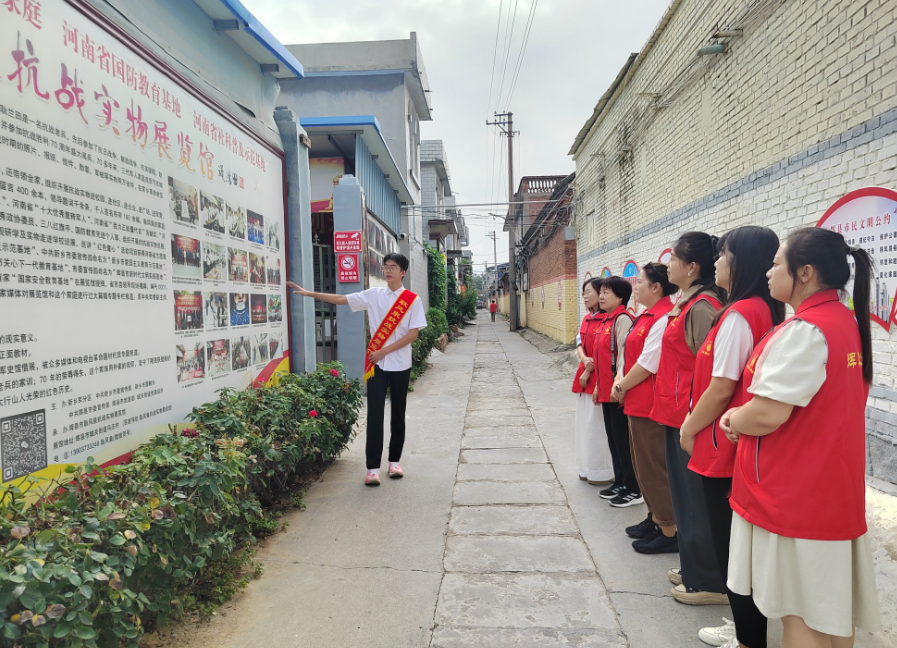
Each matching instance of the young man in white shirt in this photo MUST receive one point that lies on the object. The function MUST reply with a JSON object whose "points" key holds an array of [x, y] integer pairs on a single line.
{"points": [[392, 361]]}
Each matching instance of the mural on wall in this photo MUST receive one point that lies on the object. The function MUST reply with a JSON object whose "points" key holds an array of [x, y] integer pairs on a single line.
{"points": [[866, 218], [630, 274]]}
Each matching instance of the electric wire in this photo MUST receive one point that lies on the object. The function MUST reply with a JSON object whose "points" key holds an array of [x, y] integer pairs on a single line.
{"points": [[526, 33], [509, 39], [494, 57]]}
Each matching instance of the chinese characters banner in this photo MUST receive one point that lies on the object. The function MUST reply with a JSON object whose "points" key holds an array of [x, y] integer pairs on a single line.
{"points": [[141, 246], [868, 218]]}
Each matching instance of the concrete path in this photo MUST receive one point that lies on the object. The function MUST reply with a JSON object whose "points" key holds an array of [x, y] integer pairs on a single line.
{"points": [[491, 540]]}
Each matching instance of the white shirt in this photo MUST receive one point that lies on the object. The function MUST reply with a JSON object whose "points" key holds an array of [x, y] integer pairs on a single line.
{"points": [[733, 347], [378, 302], [649, 358], [791, 368]]}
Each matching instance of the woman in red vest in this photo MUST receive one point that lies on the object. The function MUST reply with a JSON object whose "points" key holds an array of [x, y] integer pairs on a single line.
{"points": [[635, 389], [799, 543], [613, 298], [746, 255], [698, 581], [592, 454]]}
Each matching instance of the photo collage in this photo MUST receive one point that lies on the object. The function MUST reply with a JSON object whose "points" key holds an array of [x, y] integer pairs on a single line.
{"points": [[227, 260]]}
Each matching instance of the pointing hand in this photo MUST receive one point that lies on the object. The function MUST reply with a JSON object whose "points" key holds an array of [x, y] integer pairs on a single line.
{"points": [[299, 290]]}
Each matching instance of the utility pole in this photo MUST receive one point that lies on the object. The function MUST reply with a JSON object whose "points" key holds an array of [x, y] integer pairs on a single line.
{"points": [[494, 238], [505, 121]]}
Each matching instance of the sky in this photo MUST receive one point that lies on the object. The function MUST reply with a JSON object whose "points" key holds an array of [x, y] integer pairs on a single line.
{"points": [[574, 50]]}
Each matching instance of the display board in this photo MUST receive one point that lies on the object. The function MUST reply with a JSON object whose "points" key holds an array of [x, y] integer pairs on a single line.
{"points": [[868, 218], [141, 245]]}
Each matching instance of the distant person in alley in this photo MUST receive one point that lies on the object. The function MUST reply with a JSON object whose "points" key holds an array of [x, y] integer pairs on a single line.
{"points": [[395, 316], [493, 308]]}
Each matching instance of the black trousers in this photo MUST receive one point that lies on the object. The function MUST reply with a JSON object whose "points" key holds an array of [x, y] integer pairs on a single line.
{"points": [[493, 316], [697, 556], [397, 382], [750, 624], [616, 425]]}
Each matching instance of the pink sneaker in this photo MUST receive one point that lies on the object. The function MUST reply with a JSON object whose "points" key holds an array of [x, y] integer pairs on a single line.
{"points": [[395, 471], [372, 478]]}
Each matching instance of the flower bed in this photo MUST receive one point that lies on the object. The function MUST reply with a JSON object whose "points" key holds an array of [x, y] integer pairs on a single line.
{"points": [[107, 552]]}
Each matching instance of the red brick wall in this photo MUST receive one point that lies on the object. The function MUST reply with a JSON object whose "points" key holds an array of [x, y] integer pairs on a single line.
{"points": [[554, 260]]}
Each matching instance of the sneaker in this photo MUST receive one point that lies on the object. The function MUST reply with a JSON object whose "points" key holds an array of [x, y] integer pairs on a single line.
{"points": [[690, 596], [641, 529], [627, 498], [732, 643], [657, 544], [581, 478], [610, 493], [395, 470], [719, 635], [372, 478], [675, 575]]}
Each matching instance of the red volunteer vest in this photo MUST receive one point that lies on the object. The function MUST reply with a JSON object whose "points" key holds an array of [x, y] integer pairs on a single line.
{"points": [[603, 352], [588, 334], [807, 479], [714, 454], [677, 366], [640, 399]]}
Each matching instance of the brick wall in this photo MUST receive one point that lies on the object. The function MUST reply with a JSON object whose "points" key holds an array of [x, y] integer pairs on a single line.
{"points": [[553, 264], [800, 111]]}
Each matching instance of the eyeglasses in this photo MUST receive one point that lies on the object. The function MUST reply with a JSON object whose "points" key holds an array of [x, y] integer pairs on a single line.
{"points": [[391, 267]]}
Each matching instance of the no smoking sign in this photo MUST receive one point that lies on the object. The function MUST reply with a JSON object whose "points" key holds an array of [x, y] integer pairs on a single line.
{"points": [[347, 268]]}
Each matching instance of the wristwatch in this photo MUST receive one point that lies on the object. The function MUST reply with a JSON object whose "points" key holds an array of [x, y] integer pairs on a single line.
{"points": [[618, 389]]}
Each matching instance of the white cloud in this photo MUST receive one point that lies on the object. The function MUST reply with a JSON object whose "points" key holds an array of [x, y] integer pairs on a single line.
{"points": [[575, 49]]}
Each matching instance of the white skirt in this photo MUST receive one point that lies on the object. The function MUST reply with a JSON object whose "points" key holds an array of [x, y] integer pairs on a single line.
{"points": [[830, 584], [592, 451]]}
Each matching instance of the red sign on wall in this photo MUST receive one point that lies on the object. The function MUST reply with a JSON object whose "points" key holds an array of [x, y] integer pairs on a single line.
{"points": [[347, 268], [347, 241]]}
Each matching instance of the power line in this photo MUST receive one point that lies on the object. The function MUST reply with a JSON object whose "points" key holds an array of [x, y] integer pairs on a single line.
{"points": [[494, 56], [509, 39], [527, 30]]}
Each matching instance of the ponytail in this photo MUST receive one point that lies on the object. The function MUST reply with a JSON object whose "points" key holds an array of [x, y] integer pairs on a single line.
{"points": [[658, 273], [827, 252], [703, 249], [861, 286]]}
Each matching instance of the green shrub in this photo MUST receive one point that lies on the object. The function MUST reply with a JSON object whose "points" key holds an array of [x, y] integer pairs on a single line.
{"points": [[104, 553], [426, 341], [436, 279]]}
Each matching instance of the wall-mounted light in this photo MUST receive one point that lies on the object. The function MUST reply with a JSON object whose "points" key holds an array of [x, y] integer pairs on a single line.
{"points": [[717, 48]]}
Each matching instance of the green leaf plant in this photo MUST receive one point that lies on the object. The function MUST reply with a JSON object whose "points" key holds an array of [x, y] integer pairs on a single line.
{"points": [[93, 558]]}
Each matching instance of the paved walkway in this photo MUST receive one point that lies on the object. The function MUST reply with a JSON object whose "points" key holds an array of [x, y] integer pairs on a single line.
{"points": [[491, 540]]}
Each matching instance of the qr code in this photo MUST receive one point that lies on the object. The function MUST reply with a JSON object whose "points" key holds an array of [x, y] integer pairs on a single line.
{"points": [[23, 444]]}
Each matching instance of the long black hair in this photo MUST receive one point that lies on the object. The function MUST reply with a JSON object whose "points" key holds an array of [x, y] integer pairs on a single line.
{"points": [[827, 252], [703, 249], [751, 251], [659, 273]]}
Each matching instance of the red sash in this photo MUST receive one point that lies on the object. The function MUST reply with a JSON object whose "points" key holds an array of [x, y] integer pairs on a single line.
{"points": [[387, 327]]}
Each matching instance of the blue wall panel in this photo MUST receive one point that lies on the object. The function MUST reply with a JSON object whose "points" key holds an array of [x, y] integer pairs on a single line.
{"points": [[380, 197]]}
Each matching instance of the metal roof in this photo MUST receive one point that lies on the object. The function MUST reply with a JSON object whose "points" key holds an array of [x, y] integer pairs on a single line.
{"points": [[232, 17], [369, 128]]}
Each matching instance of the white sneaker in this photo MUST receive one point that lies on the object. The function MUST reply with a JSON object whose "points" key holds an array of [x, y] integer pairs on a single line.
{"points": [[720, 635], [732, 643], [675, 575]]}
